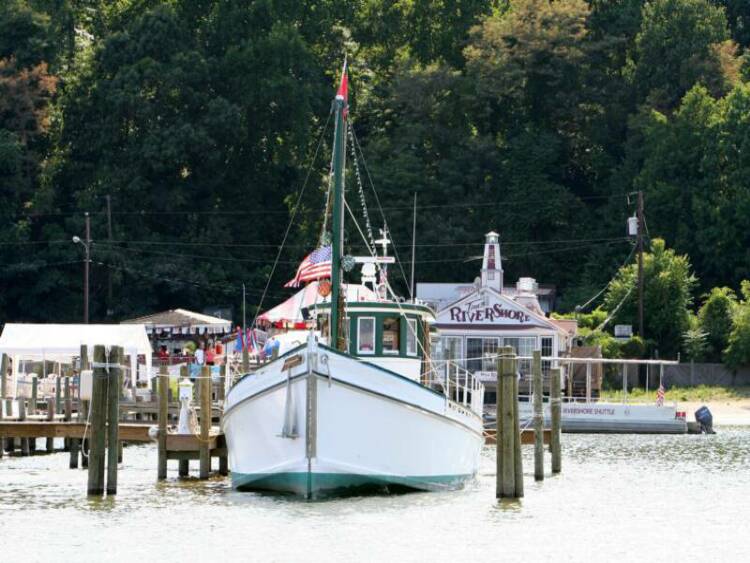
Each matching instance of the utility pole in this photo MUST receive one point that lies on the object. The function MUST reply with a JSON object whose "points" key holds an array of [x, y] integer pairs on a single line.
{"points": [[640, 265], [110, 311], [87, 246]]}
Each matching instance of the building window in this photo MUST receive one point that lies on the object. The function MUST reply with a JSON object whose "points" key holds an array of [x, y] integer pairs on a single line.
{"points": [[481, 354], [452, 347], [391, 333], [523, 346], [366, 335], [546, 352], [411, 337]]}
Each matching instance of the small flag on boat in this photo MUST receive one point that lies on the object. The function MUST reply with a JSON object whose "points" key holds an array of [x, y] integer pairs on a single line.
{"points": [[315, 267], [660, 395]]}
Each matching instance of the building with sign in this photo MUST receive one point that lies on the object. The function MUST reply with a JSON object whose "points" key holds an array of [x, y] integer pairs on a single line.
{"points": [[475, 320]]}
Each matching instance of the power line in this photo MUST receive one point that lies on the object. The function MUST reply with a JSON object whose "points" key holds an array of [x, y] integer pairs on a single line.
{"points": [[33, 242], [504, 203], [43, 264], [224, 287], [191, 256], [521, 254], [235, 212]]}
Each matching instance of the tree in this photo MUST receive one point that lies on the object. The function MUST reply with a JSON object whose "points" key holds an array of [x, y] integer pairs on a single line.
{"points": [[24, 34], [695, 344], [669, 284], [738, 348], [715, 320], [738, 17], [679, 168], [682, 43]]}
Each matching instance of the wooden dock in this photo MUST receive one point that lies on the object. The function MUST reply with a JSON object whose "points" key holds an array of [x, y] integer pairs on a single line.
{"points": [[87, 424]]}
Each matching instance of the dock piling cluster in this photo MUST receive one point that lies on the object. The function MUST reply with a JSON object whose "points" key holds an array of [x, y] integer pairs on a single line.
{"points": [[509, 476], [509, 464], [104, 425]]}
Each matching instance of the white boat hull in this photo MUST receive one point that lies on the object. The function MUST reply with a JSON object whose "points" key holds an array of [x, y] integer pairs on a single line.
{"points": [[332, 424]]}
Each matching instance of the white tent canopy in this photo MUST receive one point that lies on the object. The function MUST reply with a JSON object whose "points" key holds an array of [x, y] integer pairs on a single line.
{"points": [[61, 342]]}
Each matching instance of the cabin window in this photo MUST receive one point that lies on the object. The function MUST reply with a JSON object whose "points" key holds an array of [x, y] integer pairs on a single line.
{"points": [[411, 337], [391, 334], [366, 335]]}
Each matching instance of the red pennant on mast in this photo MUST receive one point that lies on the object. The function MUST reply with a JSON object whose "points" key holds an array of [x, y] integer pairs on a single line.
{"points": [[343, 91]]}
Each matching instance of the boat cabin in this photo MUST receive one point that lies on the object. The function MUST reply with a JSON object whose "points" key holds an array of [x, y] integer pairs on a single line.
{"points": [[393, 335]]}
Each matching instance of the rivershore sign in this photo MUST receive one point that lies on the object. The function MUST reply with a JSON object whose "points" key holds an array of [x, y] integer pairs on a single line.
{"points": [[476, 320]]}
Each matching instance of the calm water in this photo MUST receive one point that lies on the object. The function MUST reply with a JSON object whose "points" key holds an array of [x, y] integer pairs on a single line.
{"points": [[636, 498]]}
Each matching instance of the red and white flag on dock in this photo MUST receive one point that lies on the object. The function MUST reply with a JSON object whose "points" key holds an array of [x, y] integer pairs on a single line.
{"points": [[660, 395], [316, 266]]}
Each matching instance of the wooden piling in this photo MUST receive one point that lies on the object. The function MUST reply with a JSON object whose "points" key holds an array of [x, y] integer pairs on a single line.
{"points": [[517, 459], [245, 358], [97, 424], [75, 446], [505, 450], [83, 405], [34, 394], [9, 442], [536, 371], [22, 416], [113, 417], [163, 380], [58, 393], [4, 376], [556, 416], [67, 407], [50, 442], [68, 400], [183, 469], [205, 395]]}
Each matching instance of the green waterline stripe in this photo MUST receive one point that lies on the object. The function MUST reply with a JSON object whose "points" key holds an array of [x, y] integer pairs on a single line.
{"points": [[304, 482]]}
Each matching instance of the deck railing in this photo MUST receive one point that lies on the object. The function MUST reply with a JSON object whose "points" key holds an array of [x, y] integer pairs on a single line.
{"points": [[457, 383]]}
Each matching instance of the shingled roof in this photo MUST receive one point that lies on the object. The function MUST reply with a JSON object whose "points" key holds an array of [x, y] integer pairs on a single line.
{"points": [[182, 321]]}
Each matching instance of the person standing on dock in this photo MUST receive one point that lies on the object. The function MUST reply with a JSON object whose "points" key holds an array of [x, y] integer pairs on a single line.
{"points": [[209, 354], [163, 356]]}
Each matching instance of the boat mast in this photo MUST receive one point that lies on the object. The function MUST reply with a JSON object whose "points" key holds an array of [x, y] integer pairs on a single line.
{"points": [[337, 244]]}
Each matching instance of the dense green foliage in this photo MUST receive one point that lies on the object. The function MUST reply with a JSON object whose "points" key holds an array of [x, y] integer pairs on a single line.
{"points": [[737, 352], [669, 285], [715, 320], [200, 122]]}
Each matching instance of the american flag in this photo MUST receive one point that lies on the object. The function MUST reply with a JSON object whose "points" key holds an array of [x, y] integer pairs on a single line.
{"points": [[660, 395], [317, 265]]}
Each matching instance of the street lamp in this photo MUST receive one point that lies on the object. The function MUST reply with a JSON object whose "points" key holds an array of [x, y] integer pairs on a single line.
{"points": [[87, 247]]}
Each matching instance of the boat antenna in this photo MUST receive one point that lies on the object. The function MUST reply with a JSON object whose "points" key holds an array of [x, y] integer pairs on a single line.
{"points": [[413, 245]]}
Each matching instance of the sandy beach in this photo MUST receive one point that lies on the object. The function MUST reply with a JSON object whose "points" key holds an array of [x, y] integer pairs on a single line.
{"points": [[726, 412]]}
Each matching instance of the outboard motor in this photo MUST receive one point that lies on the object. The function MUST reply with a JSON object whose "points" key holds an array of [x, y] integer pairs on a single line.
{"points": [[705, 419]]}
